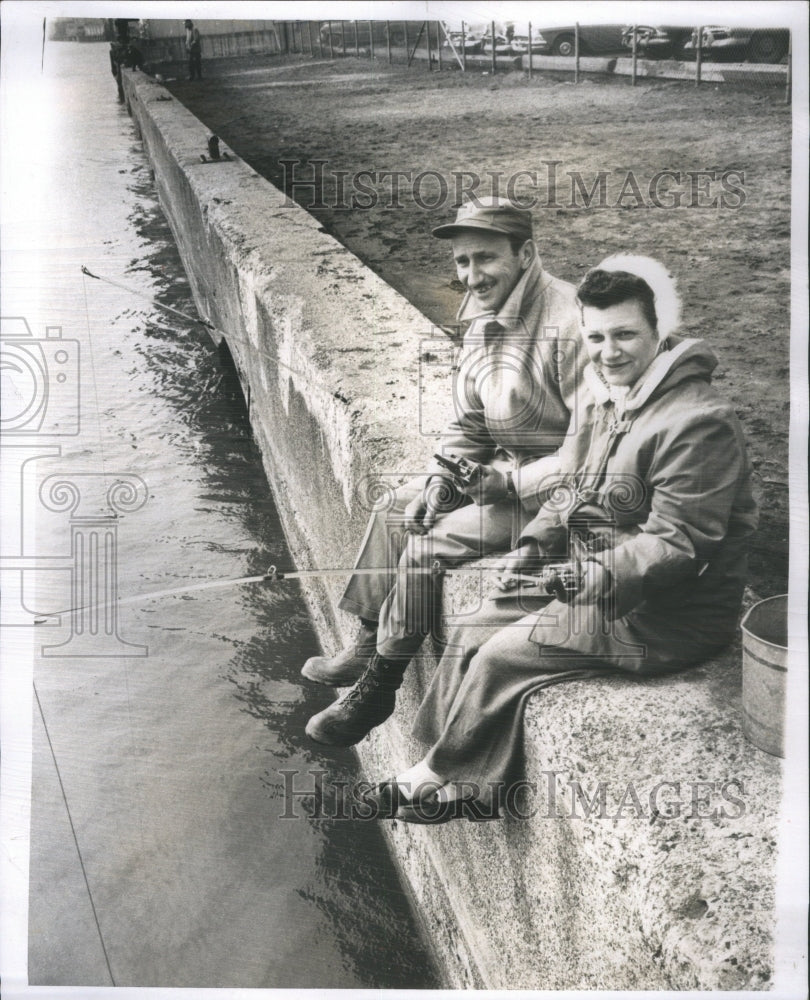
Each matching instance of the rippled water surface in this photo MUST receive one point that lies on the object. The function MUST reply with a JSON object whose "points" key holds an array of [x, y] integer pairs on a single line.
{"points": [[159, 853]]}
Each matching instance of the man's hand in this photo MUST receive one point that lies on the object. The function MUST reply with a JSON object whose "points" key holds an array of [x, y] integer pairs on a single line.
{"points": [[435, 499], [595, 583], [527, 557], [486, 486]]}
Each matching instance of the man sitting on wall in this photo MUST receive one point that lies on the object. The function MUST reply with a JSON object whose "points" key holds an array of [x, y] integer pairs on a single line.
{"points": [[519, 368]]}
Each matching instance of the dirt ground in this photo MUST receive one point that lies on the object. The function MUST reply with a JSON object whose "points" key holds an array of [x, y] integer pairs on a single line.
{"points": [[728, 241]]}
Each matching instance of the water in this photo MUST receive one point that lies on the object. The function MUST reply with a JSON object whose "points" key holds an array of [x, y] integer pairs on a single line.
{"points": [[158, 853]]}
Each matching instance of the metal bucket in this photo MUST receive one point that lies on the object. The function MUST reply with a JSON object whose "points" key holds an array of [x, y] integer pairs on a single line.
{"points": [[764, 683]]}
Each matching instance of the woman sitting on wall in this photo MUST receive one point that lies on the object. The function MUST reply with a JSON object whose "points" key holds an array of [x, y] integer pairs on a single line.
{"points": [[651, 525]]}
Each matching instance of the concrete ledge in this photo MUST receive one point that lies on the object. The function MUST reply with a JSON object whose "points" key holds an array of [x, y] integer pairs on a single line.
{"points": [[565, 64], [665, 69], [624, 898]]}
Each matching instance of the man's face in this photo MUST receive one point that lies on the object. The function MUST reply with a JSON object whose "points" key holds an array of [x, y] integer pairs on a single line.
{"points": [[620, 341], [487, 267]]}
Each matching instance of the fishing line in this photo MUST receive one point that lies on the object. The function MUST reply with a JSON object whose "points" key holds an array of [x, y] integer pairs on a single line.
{"points": [[73, 833], [95, 382]]}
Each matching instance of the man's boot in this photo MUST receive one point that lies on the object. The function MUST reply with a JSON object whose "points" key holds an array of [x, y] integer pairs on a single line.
{"points": [[362, 708], [348, 665]]}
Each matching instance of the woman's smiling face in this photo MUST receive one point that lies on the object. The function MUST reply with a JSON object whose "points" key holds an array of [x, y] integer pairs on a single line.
{"points": [[620, 341]]}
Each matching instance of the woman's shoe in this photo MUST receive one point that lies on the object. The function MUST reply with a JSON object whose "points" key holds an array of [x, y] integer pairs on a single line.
{"points": [[386, 797], [432, 810]]}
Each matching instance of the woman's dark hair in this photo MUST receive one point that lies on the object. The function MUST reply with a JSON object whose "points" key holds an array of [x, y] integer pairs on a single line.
{"points": [[608, 288]]}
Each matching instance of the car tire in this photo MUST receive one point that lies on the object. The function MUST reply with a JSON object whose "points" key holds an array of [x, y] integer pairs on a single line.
{"points": [[766, 49], [563, 45]]}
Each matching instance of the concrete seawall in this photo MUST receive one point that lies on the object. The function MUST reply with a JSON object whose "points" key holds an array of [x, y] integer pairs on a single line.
{"points": [[668, 883]]}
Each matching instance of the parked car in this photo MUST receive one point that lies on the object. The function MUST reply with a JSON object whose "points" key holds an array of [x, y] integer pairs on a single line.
{"points": [[354, 33], [758, 45], [660, 42], [520, 44], [503, 46], [597, 39], [472, 42]]}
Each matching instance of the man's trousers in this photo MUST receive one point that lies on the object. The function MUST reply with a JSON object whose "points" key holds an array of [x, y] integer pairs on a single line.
{"points": [[403, 597]]}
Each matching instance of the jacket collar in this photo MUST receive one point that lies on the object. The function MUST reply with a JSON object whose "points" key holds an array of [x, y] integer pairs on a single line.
{"points": [[676, 358]]}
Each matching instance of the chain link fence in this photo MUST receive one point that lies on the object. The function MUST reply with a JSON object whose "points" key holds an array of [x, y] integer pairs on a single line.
{"points": [[754, 57]]}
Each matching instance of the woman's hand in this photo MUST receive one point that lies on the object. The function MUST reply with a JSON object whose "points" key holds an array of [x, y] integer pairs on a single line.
{"points": [[527, 557]]}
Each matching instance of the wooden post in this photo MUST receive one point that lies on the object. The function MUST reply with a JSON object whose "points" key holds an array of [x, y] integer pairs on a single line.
{"points": [[530, 50], [407, 45], [635, 55], [320, 40], [331, 50], [427, 42], [356, 40], [343, 36], [789, 68], [492, 37], [439, 43], [309, 37], [463, 49], [576, 52], [388, 39], [699, 55], [371, 38]]}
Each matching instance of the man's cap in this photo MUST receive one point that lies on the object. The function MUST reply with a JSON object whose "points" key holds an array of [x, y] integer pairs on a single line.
{"points": [[492, 215]]}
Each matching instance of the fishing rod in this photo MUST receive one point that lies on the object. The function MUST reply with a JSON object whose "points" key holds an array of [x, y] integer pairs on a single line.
{"points": [[274, 575]]}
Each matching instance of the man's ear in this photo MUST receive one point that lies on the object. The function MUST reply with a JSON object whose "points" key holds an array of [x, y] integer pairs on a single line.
{"points": [[526, 254]]}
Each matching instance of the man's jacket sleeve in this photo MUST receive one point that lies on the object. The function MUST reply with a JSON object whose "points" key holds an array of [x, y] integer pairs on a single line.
{"points": [[467, 435]]}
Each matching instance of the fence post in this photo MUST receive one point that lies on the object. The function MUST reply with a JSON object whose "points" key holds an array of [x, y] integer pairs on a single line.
{"points": [[388, 39], [343, 36], [463, 49], [635, 54], [309, 36], [320, 40], [699, 55], [492, 38], [356, 40], [789, 68], [371, 38], [407, 44], [576, 52], [427, 42], [439, 44], [331, 50]]}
